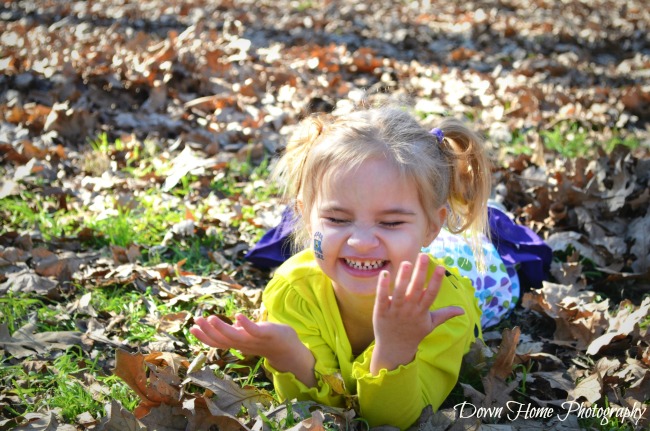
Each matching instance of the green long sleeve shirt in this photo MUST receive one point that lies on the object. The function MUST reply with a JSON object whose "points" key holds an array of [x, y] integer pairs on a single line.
{"points": [[301, 295]]}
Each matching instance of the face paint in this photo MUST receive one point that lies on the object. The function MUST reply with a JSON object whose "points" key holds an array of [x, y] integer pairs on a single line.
{"points": [[318, 241]]}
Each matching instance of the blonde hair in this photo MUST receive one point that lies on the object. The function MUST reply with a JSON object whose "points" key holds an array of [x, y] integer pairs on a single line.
{"points": [[455, 172]]}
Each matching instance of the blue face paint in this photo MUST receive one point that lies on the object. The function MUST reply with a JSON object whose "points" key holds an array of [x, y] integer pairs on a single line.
{"points": [[318, 245]]}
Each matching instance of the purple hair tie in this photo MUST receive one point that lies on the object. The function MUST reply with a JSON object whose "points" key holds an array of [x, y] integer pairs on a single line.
{"points": [[438, 134]]}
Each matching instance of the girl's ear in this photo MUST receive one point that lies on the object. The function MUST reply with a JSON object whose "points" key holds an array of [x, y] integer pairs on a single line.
{"points": [[436, 223]]}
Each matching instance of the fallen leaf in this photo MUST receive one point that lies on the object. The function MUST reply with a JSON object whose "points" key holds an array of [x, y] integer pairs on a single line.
{"points": [[578, 319], [165, 417], [229, 396], [132, 369], [173, 322], [187, 162], [589, 388], [201, 417], [556, 379], [639, 231], [621, 326], [45, 421], [119, 419], [26, 342], [314, 423], [505, 357], [27, 281]]}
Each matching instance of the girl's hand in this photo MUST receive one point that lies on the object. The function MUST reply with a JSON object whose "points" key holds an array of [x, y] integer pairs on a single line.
{"points": [[278, 343], [401, 321]]}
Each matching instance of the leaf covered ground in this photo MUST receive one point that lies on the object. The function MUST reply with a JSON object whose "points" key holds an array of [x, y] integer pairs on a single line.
{"points": [[135, 145]]}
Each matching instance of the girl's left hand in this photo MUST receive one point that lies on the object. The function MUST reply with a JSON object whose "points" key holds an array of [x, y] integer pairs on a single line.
{"points": [[401, 321]]}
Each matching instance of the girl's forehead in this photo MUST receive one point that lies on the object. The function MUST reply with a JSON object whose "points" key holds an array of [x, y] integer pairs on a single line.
{"points": [[372, 176], [365, 170]]}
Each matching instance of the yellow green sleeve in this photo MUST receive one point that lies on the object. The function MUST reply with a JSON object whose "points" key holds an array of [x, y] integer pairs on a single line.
{"points": [[397, 397], [283, 305]]}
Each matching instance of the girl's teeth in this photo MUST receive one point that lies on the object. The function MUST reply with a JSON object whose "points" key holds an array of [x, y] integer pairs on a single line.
{"points": [[365, 264]]}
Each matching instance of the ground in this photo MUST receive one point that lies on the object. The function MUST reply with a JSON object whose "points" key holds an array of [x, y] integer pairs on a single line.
{"points": [[136, 140]]}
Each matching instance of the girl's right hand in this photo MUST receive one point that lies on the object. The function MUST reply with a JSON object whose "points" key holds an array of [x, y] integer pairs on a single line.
{"points": [[257, 339], [278, 343]]}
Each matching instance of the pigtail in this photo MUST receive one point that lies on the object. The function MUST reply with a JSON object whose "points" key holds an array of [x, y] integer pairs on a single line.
{"points": [[288, 172], [470, 181]]}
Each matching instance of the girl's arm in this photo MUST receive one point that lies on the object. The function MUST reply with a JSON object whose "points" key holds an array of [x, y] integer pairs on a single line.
{"points": [[278, 343], [417, 355], [401, 321]]}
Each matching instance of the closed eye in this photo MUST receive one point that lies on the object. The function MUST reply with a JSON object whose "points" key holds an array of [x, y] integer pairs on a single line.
{"points": [[334, 220], [390, 224]]}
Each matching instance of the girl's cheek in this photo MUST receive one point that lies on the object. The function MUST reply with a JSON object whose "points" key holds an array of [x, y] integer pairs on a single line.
{"points": [[318, 245]]}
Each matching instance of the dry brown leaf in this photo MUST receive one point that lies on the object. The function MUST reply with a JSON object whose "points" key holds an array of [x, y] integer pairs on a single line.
{"points": [[46, 421], [577, 318], [173, 322], [60, 266], [200, 416], [505, 357], [621, 326], [589, 388], [125, 255], [27, 281], [152, 392], [26, 342], [497, 390], [229, 396], [171, 360], [639, 231], [165, 417], [314, 423], [556, 379]]}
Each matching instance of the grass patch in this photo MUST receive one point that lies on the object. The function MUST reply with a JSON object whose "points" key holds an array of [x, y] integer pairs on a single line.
{"points": [[27, 213], [569, 143], [123, 226], [569, 140], [64, 384]]}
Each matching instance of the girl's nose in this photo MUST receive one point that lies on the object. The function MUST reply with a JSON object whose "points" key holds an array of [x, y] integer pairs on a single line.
{"points": [[363, 239]]}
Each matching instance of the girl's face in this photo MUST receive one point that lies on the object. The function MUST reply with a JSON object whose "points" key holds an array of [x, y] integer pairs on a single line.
{"points": [[368, 220]]}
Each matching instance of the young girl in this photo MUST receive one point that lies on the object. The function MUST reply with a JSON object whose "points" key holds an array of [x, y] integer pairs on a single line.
{"points": [[371, 189]]}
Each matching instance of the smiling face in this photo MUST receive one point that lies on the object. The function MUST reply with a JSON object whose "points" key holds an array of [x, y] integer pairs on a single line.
{"points": [[367, 220]]}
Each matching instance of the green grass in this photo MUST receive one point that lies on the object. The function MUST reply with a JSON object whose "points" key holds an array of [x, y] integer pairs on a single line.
{"points": [[613, 423], [240, 178], [16, 307], [570, 140], [194, 250], [27, 213], [518, 145], [573, 140], [59, 382], [122, 216], [101, 144], [569, 143], [59, 385], [628, 141], [132, 227], [303, 6]]}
